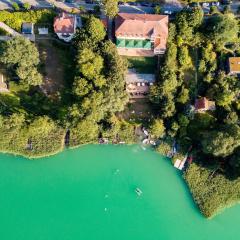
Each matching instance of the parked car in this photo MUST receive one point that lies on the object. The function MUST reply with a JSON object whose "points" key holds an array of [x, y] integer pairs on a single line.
{"points": [[215, 3], [226, 2], [167, 12], [205, 4]]}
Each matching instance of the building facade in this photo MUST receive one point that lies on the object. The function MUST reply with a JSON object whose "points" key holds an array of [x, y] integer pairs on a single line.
{"points": [[141, 34], [65, 26], [234, 65], [203, 104]]}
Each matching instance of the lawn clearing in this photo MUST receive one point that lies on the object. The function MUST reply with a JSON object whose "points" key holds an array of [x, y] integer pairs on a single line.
{"points": [[56, 62], [139, 111], [143, 64]]}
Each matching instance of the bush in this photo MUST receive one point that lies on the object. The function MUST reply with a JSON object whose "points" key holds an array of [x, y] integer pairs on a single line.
{"points": [[211, 191], [120, 131], [15, 19], [164, 147], [40, 138], [15, 6]]}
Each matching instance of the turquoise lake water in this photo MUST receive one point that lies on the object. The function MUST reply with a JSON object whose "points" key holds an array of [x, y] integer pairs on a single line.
{"points": [[89, 194]]}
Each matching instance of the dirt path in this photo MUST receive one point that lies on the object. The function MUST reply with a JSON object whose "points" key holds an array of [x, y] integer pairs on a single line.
{"points": [[53, 68]]}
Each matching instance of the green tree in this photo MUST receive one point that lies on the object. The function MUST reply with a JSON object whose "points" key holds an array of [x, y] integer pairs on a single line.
{"points": [[26, 6], [184, 58], [157, 128], [224, 98], [95, 29], [214, 10], [15, 6], [41, 126], [29, 75], [183, 95], [165, 147], [195, 17], [221, 143], [110, 8], [19, 51], [86, 131], [81, 8], [81, 86], [157, 10], [20, 54], [222, 29], [90, 64]]}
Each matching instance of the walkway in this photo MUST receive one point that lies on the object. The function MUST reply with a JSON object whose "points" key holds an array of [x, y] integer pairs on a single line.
{"points": [[9, 30], [14, 33]]}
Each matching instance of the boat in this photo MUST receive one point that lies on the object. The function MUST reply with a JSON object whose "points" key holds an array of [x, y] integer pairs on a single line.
{"points": [[138, 191], [145, 141]]}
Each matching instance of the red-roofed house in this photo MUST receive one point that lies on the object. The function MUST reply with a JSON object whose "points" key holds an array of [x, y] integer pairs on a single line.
{"points": [[203, 104], [141, 34], [65, 26]]}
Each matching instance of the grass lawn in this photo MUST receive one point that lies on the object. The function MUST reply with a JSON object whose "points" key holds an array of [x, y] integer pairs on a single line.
{"points": [[143, 64], [138, 111], [56, 66]]}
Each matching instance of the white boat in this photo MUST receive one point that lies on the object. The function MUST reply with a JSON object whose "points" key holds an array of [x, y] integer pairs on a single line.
{"points": [[145, 141], [138, 191]]}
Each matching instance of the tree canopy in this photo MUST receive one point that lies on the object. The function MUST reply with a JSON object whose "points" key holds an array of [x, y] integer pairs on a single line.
{"points": [[110, 8], [222, 28], [20, 54]]}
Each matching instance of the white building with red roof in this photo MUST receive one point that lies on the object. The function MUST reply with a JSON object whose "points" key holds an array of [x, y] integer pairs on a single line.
{"points": [[203, 105], [65, 26], [141, 34]]}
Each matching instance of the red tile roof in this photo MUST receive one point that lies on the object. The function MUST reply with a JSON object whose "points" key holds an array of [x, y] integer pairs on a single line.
{"points": [[64, 23], [143, 26], [234, 64], [201, 103], [204, 104]]}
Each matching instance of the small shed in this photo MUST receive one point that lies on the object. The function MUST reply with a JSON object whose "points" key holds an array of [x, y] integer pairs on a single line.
{"points": [[234, 65], [27, 28], [203, 104], [43, 31]]}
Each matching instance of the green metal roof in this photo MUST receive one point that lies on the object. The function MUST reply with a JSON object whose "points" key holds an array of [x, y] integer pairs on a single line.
{"points": [[120, 42], [147, 44], [138, 43], [129, 43], [133, 43]]}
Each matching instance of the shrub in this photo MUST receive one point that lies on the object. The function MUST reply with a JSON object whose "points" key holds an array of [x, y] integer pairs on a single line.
{"points": [[15, 19], [211, 191]]}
